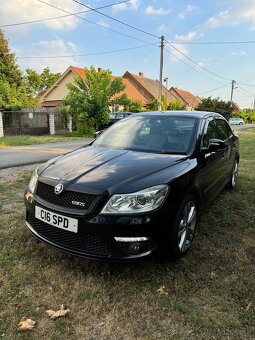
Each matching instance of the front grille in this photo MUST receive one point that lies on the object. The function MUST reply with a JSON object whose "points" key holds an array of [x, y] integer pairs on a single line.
{"points": [[82, 243], [46, 192]]}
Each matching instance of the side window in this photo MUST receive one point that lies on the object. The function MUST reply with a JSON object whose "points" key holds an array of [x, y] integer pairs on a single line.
{"points": [[211, 133], [224, 129]]}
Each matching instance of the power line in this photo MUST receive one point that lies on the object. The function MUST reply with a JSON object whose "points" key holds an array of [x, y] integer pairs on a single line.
{"points": [[212, 42], [196, 63], [244, 91], [193, 68], [82, 55], [94, 23], [217, 88], [119, 21], [202, 67], [59, 17]]}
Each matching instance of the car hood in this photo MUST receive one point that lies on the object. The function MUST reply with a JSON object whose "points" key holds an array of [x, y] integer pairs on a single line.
{"points": [[103, 169]]}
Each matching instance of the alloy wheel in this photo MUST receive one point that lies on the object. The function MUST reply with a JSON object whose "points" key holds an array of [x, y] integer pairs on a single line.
{"points": [[234, 174], [187, 226]]}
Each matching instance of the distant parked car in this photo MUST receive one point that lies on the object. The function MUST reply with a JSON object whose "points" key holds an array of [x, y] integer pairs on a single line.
{"points": [[236, 121], [114, 117]]}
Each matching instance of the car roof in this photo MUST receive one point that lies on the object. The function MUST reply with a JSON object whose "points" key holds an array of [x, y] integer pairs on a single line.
{"points": [[193, 114]]}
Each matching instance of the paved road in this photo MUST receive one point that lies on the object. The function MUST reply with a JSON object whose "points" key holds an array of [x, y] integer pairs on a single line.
{"points": [[24, 155], [242, 127]]}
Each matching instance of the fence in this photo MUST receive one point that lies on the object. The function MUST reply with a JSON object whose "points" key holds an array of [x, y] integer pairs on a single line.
{"points": [[32, 122]]}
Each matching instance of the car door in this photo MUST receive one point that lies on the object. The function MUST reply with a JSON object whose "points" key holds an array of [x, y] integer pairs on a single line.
{"points": [[212, 164], [227, 135]]}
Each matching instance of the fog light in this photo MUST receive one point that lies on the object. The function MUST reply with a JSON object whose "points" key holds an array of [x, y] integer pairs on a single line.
{"points": [[134, 248]]}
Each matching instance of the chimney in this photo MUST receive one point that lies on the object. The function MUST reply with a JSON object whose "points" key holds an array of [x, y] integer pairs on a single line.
{"points": [[100, 69], [141, 74]]}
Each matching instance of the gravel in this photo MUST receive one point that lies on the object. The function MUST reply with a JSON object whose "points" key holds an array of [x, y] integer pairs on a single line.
{"points": [[15, 170]]}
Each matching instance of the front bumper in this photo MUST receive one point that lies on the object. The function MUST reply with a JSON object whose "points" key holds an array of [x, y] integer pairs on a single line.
{"points": [[96, 237]]}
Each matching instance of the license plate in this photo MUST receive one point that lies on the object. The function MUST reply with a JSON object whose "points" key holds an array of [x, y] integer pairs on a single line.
{"points": [[56, 220]]}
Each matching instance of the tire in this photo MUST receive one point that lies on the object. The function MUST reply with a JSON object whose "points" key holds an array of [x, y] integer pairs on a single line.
{"points": [[233, 178], [183, 228]]}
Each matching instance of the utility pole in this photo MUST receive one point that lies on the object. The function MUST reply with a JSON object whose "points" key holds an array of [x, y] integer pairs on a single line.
{"points": [[254, 104], [232, 91], [161, 73]]}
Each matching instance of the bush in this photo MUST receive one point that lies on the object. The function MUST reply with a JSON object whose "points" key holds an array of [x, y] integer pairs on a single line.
{"points": [[247, 115], [84, 130]]}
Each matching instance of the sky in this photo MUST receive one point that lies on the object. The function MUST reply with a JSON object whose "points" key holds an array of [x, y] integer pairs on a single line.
{"points": [[190, 64]]}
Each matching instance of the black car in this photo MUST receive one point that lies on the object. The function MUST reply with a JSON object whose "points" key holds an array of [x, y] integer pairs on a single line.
{"points": [[136, 189], [114, 118]]}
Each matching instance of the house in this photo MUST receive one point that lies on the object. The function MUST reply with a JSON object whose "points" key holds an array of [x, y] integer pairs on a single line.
{"points": [[54, 96], [236, 108], [147, 87], [186, 98]]}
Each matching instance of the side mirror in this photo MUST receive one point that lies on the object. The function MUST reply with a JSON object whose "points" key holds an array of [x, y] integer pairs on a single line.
{"points": [[98, 133], [214, 145]]}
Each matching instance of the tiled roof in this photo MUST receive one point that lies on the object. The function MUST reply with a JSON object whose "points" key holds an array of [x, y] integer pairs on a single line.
{"points": [[130, 90], [236, 107], [151, 86], [187, 96]]}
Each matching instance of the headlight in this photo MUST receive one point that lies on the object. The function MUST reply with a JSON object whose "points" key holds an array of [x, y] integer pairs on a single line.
{"points": [[33, 182], [138, 202]]}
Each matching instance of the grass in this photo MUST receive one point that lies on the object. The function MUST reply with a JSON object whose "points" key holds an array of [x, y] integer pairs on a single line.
{"points": [[29, 140], [210, 291]]}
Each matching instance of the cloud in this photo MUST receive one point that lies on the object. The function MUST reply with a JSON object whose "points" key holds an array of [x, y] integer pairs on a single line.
{"points": [[239, 53], [175, 54], [132, 4], [237, 13], [162, 28], [103, 23], [50, 48], [185, 37], [16, 11], [153, 11], [188, 10]]}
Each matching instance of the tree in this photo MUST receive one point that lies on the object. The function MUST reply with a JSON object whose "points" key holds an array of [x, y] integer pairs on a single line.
{"points": [[12, 89], [9, 70], [215, 105], [176, 105], [36, 82], [153, 106], [89, 99], [131, 105]]}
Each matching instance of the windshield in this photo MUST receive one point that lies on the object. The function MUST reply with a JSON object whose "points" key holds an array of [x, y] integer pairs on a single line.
{"points": [[159, 134]]}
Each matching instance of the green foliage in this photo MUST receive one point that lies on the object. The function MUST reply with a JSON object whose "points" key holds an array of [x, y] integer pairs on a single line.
{"points": [[164, 103], [13, 92], [153, 106], [85, 130], [89, 99], [176, 105], [135, 106], [37, 82], [9, 70], [248, 115], [13, 98], [215, 105]]}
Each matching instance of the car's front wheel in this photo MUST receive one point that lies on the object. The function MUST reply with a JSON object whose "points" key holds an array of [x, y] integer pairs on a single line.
{"points": [[183, 228], [233, 180]]}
